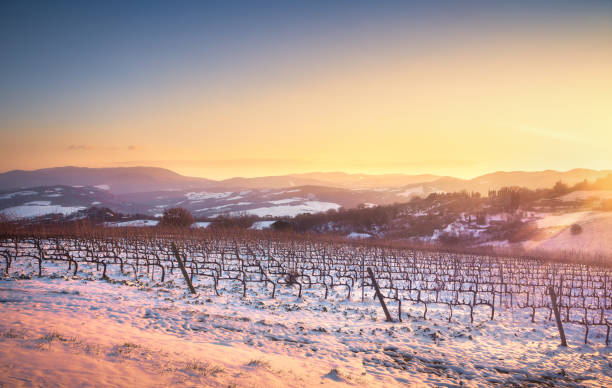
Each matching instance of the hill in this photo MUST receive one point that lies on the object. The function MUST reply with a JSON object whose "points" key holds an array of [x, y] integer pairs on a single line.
{"points": [[118, 180]]}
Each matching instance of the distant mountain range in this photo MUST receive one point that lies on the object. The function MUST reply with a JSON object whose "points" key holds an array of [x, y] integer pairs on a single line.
{"points": [[122, 180], [531, 180], [330, 179], [118, 180], [150, 190]]}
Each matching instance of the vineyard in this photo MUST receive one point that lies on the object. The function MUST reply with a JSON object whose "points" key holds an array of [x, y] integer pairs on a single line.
{"points": [[462, 287]]}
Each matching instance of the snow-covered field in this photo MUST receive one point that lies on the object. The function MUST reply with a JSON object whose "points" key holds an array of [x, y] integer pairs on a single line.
{"points": [[201, 224], [82, 330], [358, 235], [547, 220], [260, 225], [37, 209], [201, 196], [594, 239], [596, 235], [293, 210], [18, 194], [581, 195], [133, 223]]}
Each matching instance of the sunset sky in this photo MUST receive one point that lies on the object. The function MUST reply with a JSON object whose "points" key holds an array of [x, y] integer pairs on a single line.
{"points": [[245, 89]]}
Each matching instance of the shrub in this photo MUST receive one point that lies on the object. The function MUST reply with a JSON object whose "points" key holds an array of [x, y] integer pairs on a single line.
{"points": [[516, 231], [258, 362], [241, 221], [281, 225], [449, 239], [176, 217], [526, 231], [426, 225], [576, 229]]}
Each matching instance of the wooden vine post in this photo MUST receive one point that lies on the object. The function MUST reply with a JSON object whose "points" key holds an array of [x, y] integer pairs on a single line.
{"points": [[553, 299], [379, 294], [182, 267], [362, 278]]}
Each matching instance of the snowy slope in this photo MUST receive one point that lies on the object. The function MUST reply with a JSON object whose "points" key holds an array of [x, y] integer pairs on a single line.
{"points": [[72, 331], [33, 209], [596, 235]]}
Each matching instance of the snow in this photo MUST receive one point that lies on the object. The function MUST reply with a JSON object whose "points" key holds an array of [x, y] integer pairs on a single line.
{"points": [[18, 193], [259, 225], [39, 203], [565, 219], [35, 210], [557, 237], [286, 192], [496, 243], [359, 235], [595, 237], [133, 223], [581, 195], [293, 210], [217, 207], [103, 187], [234, 198], [412, 191], [201, 224], [500, 217], [286, 200], [458, 228], [69, 331], [203, 195]]}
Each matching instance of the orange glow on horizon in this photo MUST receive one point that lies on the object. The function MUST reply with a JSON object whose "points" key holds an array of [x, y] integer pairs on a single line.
{"points": [[502, 102]]}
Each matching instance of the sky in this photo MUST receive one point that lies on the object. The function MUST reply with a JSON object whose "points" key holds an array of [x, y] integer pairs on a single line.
{"points": [[228, 89]]}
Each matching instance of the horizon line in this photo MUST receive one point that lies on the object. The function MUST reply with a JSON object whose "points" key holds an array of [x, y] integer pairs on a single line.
{"points": [[311, 172]]}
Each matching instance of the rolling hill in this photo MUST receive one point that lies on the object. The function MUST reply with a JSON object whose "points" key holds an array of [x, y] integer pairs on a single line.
{"points": [[150, 190]]}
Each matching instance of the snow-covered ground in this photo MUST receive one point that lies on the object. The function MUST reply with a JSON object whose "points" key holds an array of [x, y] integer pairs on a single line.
{"points": [[358, 235], [134, 223], [582, 195], [556, 236], [459, 229], [38, 208], [260, 225], [419, 190], [137, 223], [261, 203], [286, 200], [293, 210], [596, 235], [83, 331], [203, 195], [594, 239], [18, 194], [201, 224], [547, 220]]}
